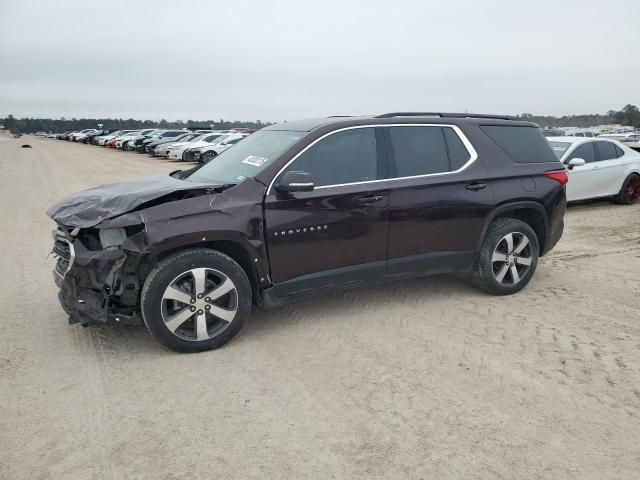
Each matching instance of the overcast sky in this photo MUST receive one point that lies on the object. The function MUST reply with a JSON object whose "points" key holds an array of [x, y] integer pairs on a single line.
{"points": [[276, 60]]}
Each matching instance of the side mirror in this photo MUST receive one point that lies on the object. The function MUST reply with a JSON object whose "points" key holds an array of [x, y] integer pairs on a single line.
{"points": [[295, 182], [576, 162]]}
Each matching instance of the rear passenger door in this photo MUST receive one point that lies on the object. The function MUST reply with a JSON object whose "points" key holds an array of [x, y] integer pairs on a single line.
{"points": [[611, 167], [439, 198]]}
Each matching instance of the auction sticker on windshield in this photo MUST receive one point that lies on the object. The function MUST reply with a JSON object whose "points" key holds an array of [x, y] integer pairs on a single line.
{"points": [[255, 160]]}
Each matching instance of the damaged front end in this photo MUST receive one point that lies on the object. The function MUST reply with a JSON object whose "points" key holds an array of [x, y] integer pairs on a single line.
{"points": [[97, 275], [96, 284], [109, 238]]}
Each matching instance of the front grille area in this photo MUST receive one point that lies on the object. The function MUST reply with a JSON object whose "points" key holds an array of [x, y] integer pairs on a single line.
{"points": [[63, 249]]}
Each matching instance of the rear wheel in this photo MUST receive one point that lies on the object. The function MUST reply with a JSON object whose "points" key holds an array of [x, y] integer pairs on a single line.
{"points": [[508, 257], [196, 300], [630, 191]]}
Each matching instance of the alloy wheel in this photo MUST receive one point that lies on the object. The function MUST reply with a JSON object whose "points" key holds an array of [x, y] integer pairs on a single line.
{"points": [[632, 191], [511, 258], [199, 304]]}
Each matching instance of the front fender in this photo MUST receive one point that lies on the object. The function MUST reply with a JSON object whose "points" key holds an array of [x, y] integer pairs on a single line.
{"points": [[235, 215]]}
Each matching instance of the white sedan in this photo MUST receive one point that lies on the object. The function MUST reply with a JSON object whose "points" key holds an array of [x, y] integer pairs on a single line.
{"points": [[599, 168], [78, 136], [208, 153], [125, 138], [177, 152], [165, 149]]}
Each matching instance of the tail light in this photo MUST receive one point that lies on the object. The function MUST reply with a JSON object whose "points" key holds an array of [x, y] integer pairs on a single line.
{"points": [[558, 176]]}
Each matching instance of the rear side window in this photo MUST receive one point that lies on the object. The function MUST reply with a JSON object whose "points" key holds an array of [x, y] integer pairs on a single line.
{"points": [[426, 150], [606, 151], [522, 144], [584, 151], [419, 150], [458, 153], [349, 156], [619, 151]]}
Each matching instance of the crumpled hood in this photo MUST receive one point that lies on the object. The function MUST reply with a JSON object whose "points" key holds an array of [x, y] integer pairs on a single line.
{"points": [[90, 207]]}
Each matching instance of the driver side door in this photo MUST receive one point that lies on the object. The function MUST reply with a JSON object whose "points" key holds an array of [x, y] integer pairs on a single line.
{"points": [[584, 181], [336, 233]]}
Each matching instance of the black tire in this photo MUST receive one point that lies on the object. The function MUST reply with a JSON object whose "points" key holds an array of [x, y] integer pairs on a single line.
{"points": [[485, 272], [208, 156], [630, 191], [162, 276]]}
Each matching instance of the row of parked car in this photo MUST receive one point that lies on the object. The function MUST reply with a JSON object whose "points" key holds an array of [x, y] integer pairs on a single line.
{"points": [[178, 145], [624, 137]]}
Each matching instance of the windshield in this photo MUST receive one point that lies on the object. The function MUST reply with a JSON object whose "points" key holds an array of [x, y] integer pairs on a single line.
{"points": [[559, 148], [246, 158]]}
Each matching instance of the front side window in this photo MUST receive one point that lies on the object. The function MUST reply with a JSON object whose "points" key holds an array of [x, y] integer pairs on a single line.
{"points": [[348, 156], [584, 151], [606, 151]]}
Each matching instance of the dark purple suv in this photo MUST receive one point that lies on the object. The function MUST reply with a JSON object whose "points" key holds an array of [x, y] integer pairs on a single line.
{"points": [[301, 206]]}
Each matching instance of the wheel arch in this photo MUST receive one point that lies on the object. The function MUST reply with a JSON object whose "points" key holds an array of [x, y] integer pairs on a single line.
{"points": [[632, 171], [230, 247], [531, 213]]}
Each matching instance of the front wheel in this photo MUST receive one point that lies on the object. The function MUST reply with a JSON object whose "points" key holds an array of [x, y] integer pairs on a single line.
{"points": [[630, 191], [508, 257], [196, 300], [208, 156]]}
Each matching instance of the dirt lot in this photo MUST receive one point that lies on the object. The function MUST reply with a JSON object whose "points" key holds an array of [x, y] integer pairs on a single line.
{"points": [[425, 379]]}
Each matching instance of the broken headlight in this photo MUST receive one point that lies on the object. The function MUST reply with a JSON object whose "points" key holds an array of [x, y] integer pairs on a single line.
{"points": [[112, 237]]}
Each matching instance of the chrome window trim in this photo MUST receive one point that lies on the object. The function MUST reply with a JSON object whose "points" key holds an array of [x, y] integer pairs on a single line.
{"points": [[473, 155]]}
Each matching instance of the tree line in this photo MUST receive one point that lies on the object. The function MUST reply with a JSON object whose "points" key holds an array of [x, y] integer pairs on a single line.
{"points": [[629, 115], [32, 125]]}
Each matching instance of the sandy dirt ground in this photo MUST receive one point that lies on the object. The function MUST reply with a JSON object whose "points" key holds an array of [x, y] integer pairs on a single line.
{"points": [[426, 378]]}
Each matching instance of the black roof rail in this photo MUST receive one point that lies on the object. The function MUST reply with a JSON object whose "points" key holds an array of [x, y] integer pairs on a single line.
{"points": [[445, 115]]}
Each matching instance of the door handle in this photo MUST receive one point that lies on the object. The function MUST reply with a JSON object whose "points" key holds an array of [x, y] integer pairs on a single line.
{"points": [[476, 186], [369, 200]]}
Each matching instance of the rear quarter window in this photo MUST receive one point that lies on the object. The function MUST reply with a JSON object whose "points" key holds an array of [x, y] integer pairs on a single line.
{"points": [[619, 151], [522, 144], [606, 150]]}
